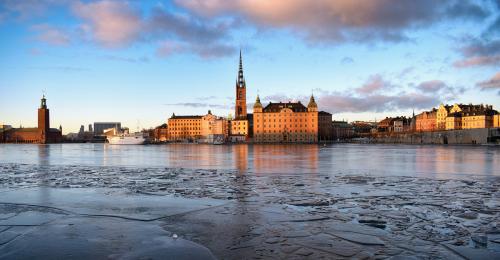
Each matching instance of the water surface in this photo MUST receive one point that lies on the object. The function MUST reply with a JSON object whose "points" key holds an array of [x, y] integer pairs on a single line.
{"points": [[371, 159]]}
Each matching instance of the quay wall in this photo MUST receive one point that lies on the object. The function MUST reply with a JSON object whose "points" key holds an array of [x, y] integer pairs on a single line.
{"points": [[466, 136]]}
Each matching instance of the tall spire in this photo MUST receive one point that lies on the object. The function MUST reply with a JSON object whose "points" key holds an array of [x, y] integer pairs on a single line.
{"points": [[241, 80]]}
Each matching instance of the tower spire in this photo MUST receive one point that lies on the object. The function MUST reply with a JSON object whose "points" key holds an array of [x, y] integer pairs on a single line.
{"points": [[241, 80]]}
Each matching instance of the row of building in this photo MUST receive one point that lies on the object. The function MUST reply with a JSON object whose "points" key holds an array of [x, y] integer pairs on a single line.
{"points": [[286, 122], [276, 122], [456, 117]]}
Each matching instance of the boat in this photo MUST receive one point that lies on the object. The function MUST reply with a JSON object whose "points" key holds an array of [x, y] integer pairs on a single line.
{"points": [[136, 138]]}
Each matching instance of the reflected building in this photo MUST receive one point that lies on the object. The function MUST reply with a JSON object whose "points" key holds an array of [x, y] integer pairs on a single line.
{"points": [[285, 158], [240, 153]]}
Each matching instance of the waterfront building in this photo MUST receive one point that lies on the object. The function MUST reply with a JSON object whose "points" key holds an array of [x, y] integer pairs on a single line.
{"points": [[342, 130], [213, 128], [286, 122], [325, 127], [441, 115], [42, 134], [99, 127], [385, 125], [363, 128], [401, 124], [394, 124], [477, 116], [454, 121], [496, 120], [204, 128], [426, 121], [160, 133], [184, 128], [470, 116]]}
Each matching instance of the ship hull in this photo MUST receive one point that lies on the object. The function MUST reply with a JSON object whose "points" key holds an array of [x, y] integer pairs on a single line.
{"points": [[126, 140]]}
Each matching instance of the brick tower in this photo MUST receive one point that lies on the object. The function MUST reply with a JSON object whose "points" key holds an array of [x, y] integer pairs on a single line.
{"points": [[241, 94], [43, 121]]}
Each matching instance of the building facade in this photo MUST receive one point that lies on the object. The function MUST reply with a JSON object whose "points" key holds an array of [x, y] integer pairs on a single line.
{"points": [[184, 128], [99, 127], [42, 134], [214, 128], [325, 127], [426, 121], [285, 122]]}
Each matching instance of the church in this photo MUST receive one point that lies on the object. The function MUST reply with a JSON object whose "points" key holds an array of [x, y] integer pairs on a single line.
{"points": [[42, 134]]}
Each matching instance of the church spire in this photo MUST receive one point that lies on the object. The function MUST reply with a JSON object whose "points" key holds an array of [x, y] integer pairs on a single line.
{"points": [[241, 80]]}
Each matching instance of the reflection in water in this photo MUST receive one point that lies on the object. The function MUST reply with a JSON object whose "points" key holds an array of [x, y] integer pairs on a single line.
{"points": [[285, 158], [44, 161], [240, 153], [401, 160]]}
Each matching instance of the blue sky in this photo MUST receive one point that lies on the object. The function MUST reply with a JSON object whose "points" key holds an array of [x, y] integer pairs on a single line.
{"points": [[138, 62]]}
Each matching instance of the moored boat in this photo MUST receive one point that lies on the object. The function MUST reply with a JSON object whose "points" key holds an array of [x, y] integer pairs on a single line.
{"points": [[126, 139]]}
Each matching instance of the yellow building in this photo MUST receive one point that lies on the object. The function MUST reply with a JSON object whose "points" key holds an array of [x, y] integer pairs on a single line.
{"points": [[470, 116], [213, 127], [496, 120], [190, 128], [454, 121], [285, 122], [441, 115]]}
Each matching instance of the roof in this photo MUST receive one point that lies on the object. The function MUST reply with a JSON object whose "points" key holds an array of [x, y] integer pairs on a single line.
{"points": [[27, 129], [276, 107], [324, 113], [186, 117]]}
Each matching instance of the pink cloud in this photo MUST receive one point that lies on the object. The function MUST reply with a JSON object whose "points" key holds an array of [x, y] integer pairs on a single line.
{"points": [[478, 61], [112, 23], [493, 83], [374, 84], [340, 20], [51, 35]]}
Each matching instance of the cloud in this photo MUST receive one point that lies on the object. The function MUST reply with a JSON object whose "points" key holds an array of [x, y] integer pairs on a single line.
{"points": [[21, 10], [214, 50], [337, 103], [125, 59], [198, 105], [432, 86], [479, 53], [51, 35], [333, 21], [111, 23], [493, 83], [115, 24], [373, 97], [374, 84]]}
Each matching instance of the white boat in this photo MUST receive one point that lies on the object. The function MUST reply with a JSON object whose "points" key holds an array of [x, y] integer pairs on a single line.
{"points": [[126, 139]]}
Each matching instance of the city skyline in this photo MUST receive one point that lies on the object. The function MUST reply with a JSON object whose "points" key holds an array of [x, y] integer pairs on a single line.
{"points": [[155, 58]]}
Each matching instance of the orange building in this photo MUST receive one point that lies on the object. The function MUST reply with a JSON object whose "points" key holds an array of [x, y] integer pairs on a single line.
{"points": [[426, 121], [42, 134], [184, 128], [286, 122]]}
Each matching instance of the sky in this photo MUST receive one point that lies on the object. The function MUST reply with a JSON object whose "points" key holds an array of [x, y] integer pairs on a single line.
{"points": [[137, 62]]}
